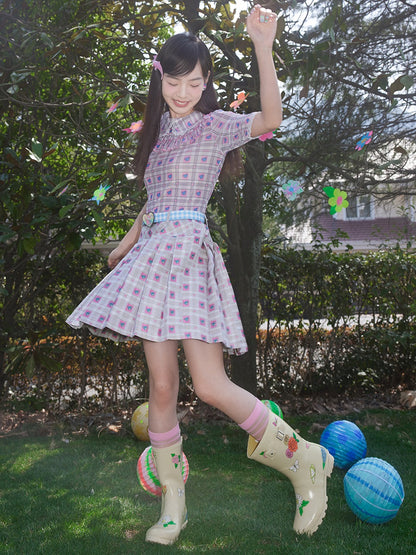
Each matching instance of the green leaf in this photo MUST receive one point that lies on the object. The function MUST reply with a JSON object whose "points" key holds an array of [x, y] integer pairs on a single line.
{"points": [[64, 210], [37, 148], [329, 191], [407, 81], [98, 218], [29, 244]]}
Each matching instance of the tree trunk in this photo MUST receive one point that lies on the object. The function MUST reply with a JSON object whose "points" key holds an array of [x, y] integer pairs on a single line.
{"points": [[244, 226]]}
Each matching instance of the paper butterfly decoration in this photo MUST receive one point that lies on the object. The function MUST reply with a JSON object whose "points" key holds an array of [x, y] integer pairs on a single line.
{"points": [[99, 193], [365, 139], [113, 108], [337, 199], [135, 127], [240, 99], [291, 189], [266, 136]]}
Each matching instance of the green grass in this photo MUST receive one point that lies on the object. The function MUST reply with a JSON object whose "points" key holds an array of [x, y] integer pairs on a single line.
{"points": [[83, 497]]}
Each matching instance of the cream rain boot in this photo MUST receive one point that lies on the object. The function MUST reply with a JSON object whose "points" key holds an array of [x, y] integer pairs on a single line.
{"points": [[307, 465], [173, 516]]}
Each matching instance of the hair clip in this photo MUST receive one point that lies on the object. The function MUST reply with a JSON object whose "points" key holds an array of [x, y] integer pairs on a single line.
{"points": [[157, 65]]}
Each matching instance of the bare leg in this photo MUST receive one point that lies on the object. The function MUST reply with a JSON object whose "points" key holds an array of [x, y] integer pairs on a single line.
{"points": [[162, 361], [211, 383]]}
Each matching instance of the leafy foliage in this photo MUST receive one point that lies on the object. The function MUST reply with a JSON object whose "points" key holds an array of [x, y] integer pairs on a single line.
{"points": [[336, 321]]}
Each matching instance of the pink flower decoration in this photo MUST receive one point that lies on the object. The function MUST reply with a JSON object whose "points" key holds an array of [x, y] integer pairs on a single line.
{"points": [[289, 453], [135, 127], [157, 65], [266, 136]]}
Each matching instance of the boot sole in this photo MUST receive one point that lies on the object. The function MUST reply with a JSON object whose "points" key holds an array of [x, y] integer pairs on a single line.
{"points": [[165, 541], [329, 466]]}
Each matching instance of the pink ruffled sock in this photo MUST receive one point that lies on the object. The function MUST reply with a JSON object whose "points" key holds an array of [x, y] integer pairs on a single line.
{"points": [[256, 423], [165, 439]]}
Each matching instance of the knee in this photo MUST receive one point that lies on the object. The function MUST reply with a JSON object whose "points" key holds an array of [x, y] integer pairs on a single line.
{"points": [[210, 392], [164, 390]]}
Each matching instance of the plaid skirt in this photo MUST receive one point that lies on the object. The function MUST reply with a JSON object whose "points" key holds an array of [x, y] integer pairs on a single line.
{"points": [[173, 284]]}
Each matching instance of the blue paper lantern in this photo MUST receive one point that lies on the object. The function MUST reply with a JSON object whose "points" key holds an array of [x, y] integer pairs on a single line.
{"points": [[373, 490], [345, 441]]}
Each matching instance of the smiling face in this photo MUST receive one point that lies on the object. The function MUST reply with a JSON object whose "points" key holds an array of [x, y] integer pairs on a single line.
{"points": [[183, 92]]}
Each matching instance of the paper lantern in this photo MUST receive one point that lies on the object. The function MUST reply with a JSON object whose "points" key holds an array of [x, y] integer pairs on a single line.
{"points": [[373, 490], [345, 441], [147, 472]]}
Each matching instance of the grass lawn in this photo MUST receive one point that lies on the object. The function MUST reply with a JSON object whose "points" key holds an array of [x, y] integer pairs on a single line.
{"points": [[72, 494]]}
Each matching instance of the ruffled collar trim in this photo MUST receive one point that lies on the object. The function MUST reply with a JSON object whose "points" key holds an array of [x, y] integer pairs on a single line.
{"points": [[179, 126], [175, 132]]}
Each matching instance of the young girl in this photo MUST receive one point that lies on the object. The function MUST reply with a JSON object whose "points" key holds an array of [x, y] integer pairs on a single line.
{"points": [[168, 281]]}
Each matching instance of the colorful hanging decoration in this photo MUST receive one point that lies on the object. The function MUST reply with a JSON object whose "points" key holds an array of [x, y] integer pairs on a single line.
{"points": [[112, 108], [266, 136], [135, 127], [365, 139], [157, 65], [291, 189], [64, 190], [337, 199], [240, 99], [99, 193]]}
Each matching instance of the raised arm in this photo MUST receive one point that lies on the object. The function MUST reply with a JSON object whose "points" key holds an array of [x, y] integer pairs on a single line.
{"points": [[261, 26], [128, 241]]}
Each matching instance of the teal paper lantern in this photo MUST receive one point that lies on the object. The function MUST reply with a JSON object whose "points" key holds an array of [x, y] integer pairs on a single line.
{"points": [[345, 441], [373, 490]]}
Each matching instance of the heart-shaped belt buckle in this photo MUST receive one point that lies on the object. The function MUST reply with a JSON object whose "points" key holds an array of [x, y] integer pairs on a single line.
{"points": [[148, 219]]}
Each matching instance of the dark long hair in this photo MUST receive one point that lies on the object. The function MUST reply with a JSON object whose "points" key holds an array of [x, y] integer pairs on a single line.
{"points": [[178, 56]]}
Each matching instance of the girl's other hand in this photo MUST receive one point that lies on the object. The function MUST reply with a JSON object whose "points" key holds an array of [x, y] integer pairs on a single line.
{"points": [[262, 26], [115, 257]]}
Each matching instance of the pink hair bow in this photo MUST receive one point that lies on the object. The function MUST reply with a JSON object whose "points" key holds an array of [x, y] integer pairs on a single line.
{"points": [[157, 65]]}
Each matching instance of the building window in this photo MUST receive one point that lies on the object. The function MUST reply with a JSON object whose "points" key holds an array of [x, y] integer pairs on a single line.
{"points": [[360, 208]]}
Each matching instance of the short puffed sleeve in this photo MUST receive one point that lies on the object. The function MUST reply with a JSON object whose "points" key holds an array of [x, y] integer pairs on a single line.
{"points": [[231, 130]]}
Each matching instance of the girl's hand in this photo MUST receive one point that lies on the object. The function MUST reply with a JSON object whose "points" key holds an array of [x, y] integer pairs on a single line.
{"points": [[262, 26], [115, 257]]}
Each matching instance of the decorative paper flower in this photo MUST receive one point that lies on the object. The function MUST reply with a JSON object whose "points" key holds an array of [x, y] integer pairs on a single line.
{"points": [[291, 189], [266, 136], [337, 199], [135, 127], [365, 139], [113, 108], [240, 99], [99, 193]]}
